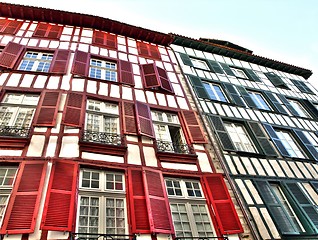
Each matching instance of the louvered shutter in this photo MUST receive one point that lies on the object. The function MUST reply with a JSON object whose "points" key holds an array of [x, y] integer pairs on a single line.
{"points": [[157, 202], [10, 54], [12, 27], [310, 107], [150, 75], [251, 75], [3, 23], [185, 59], [48, 109], [54, 31], [264, 143], [106, 39], [227, 69], [225, 213], [41, 30], [25, 198], [288, 105], [193, 127], [126, 73], [235, 97], [138, 205], [198, 87], [309, 146], [144, 122], [275, 102], [154, 51], [74, 110], [215, 67], [143, 49], [129, 118], [276, 80], [47, 30], [278, 143], [60, 201], [222, 134], [59, 61], [301, 86], [81, 63], [246, 96], [164, 81]]}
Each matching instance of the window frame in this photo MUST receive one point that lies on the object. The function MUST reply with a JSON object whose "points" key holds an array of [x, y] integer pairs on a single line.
{"points": [[103, 69], [215, 92], [37, 61], [256, 96]]}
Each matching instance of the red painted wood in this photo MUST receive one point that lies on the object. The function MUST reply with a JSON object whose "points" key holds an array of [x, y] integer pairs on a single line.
{"points": [[74, 110], [81, 63], [144, 121], [10, 54], [126, 73], [60, 61], [11, 27], [48, 109], [45, 30], [106, 39], [194, 129], [148, 50], [129, 118]]}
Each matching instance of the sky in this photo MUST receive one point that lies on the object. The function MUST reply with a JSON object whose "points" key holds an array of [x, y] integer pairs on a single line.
{"points": [[283, 30]]}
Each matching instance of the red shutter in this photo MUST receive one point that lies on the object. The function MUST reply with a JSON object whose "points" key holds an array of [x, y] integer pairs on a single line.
{"points": [[54, 31], [41, 30], [223, 206], [194, 129], [138, 206], [3, 22], [150, 75], [74, 110], [60, 60], [10, 54], [130, 126], [98, 38], [12, 27], [81, 63], [25, 199], [144, 122], [59, 206], [157, 202], [165, 82], [154, 52], [48, 109], [143, 49], [126, 73], [103, 38]]}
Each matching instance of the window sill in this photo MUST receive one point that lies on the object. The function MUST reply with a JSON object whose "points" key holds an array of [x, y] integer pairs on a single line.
{"points": [[16, 138]]}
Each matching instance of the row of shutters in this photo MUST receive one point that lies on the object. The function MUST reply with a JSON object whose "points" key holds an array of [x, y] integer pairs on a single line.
{"points": [[149, 205]]}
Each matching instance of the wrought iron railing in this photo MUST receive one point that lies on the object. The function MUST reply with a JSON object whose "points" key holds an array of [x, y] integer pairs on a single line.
{"points": [[103, 137], [100, 236], [165, 146], [7, 131], [201, 238]]}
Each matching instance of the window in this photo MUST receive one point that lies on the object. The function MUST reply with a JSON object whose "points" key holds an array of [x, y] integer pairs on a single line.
{"points": [[36, 62], [48, 31], [215, 92], [239, 137], [239, 73], [301, 86], [276, 80], [298, 108], [148, 50], [199, 64], [290, 144], [7, 177], [102, 204], [101, 69], [106, 39], [259, 100], [9, 26], [168, 132], [188, 208]]}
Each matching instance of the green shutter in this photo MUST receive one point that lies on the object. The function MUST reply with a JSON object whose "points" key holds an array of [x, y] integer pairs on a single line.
{"points": [[276, 80], [288, 105], [246, 96], [215, 67], [301, 86], [275, 102], [198, 86], [185, 59], [311, 148], [251, 75], [234, 95], [310, 107], [227, 69]]}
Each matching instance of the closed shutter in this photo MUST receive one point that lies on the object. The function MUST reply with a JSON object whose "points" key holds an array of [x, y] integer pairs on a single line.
{"points": [[81, 63], [148, 50], [264, 143], [215, 67], [154, 52], [3, 23], [54, 31], [225, 213], [278, 106], [47, 30], [138, 206], [227, 69], [41, 30], [309, 146], [25, 199], [48, 109], [222, 134], [10, 54], [276, 80], [157, 202], [126, 73], [150, 75], [288, 105], [106, 39], [129, 117], [144, 121], [59, 61], [198, 86], [246, 97], [74, 109], [310, 107], [301, 86], [278, 143], [194, 129], [12, 27], [60, 201], [251, 75], [185, 59], [232, 92]]}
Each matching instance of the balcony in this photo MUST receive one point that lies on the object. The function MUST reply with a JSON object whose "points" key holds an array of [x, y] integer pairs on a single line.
{"points": [[102, 137], [165, 146], [16, 132], [100, 236]]}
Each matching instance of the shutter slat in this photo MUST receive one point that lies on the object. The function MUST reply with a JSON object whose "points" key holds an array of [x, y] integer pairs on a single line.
{"points": [[227, 69], [186, 59], [278, 143], [12, 27], [81, 63], [309, 146], [130, 126], [48, 109], [144, 122], [276, 103], [194, 129], [198, 87], [215, 67], [232, 92], [59, 61], [251, 75], [126, 73], [10, 54], [74, 110], [246, 96], [151, 79]]}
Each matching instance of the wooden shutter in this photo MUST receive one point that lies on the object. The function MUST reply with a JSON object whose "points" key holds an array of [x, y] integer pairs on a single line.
{"points": [[276, 80], [310, 107], [227, 69], [278, 106], [25, 198], [106, 39], [81, 63], [264, 143], [194, 129], [251, 75], [3, 23], [288, 105], [215, 67], [164, 81], [143, 49], [278, 143], [144, 122], [222, 134], [198, 87], [301, 86], [151, 79], [246, 96], [309, 146], [126, 73], [54, 31], [58, 214], [138, 205], [12, 27], [10, 54], [47, 30], [148, 50], [59, 61], [223, 206], [48, 109], [185, 59], [154, 51], [234, 96], [129, 118], [74, 110], [41, 30], [157, 202]]}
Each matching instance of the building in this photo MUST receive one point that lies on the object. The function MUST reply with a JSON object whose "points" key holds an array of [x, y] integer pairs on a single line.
{"points": [[262, 114], [98, 137]]}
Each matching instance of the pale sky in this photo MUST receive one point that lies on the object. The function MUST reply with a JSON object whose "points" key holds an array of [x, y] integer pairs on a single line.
{"points": [[283, 30]]}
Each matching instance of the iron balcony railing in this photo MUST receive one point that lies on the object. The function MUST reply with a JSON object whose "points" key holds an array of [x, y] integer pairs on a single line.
{"points": [[18, 132], [103, 137], [165, 146], [201, 238], [101, 236]]}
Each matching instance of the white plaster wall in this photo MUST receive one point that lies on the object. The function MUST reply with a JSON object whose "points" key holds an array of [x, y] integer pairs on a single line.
{"points": [[102, 157], [150, 157], [36, 146], [69, 147], [204, 162], [133, 154]]}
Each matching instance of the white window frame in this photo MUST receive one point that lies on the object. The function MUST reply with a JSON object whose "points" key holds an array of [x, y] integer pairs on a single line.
{"points": [[102, 69], [298, 108], [239, 73], [36, 61], [216, 94], [261, 104], [290, 144], [197, 63]]}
